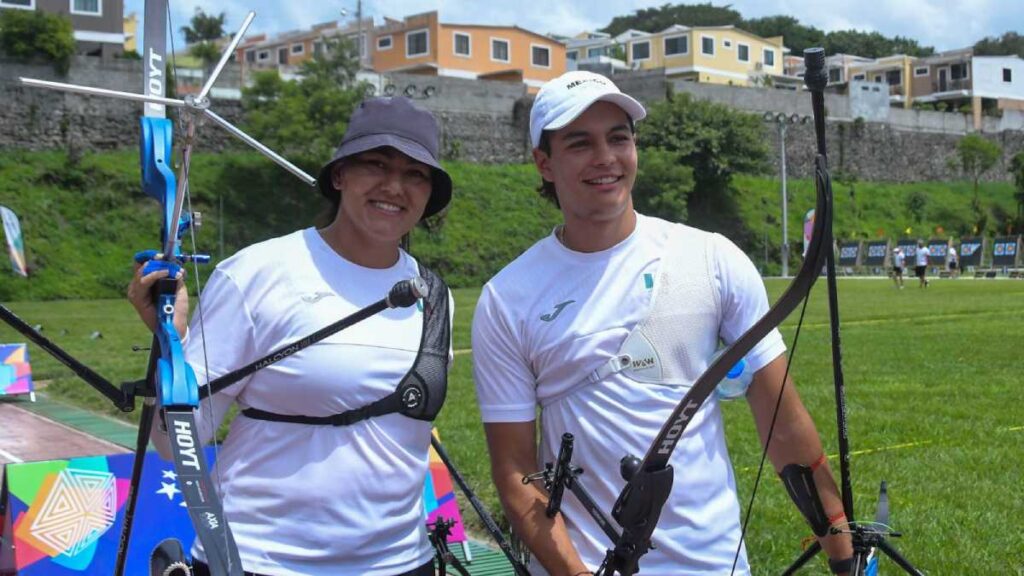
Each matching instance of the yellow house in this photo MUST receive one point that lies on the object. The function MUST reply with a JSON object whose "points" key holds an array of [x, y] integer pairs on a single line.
{"points": [[893, 70], [422, 44], [712, 54], [131, 31]]}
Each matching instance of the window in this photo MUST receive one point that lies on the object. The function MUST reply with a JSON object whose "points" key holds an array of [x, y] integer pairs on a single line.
{"points": [[958, 71], [384, 43], [858, 77], [416, 43], [298, 48], [894, 77], [572, 55], [707, 45], [282, 55], [641, 50], [769, 58], [263, 55], [1007, 75], [835, 74], [727, 44], [24, 4], [676, 45], [500, 50], [87, 7], [318, 48], [462, 47], [540, 56], [595, 52], [920, 71], [743, 53], [878, 77], [250, 55]]}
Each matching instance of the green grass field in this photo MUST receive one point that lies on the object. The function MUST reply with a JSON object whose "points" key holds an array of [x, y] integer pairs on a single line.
{"points": [[934, 395]]}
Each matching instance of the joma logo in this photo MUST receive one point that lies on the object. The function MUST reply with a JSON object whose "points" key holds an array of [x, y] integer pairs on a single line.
{"points": [[186, 445]]}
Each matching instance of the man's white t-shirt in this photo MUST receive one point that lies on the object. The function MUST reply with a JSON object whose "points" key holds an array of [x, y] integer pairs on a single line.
{"points": [[303, 499], [922, 256], [553, 316]]}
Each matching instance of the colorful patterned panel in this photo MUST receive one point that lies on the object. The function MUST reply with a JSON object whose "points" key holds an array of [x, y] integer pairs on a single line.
{"points": [[64, 516], [15, 369], [439, 496]]}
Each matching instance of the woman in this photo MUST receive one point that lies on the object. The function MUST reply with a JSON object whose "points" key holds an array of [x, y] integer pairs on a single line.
{"points": [[318, 499]]}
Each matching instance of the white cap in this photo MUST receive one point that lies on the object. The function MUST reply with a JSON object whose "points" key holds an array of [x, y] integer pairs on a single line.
{"points": [[562, 100]]}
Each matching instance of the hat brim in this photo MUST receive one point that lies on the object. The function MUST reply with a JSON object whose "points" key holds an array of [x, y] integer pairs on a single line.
{"points": [[629, 105], [441, 182]]}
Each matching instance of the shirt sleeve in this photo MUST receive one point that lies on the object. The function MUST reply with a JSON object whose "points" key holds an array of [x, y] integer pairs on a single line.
{"points": [[744, 302], [220, 339], [505, 386]]}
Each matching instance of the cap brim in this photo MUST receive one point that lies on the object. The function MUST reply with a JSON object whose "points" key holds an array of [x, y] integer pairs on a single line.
{"points": [[441, 191], [629, 105]]}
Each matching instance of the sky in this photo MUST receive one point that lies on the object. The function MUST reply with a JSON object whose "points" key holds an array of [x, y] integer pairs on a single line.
{"points": [[943, 24]]}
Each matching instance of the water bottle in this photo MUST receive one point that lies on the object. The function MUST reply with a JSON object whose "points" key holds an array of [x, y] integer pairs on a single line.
{"points": [[736, 382]]}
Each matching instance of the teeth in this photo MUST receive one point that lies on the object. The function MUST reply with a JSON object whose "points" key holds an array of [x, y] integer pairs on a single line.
{"points": [[386, 206], [604, 180]]}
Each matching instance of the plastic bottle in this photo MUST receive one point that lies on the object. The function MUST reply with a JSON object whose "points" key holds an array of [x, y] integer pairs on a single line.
{"points": [[736, 382]]}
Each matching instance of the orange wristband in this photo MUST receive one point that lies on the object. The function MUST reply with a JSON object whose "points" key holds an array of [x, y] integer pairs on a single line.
{"points": [[817, 463], [835, 518]]}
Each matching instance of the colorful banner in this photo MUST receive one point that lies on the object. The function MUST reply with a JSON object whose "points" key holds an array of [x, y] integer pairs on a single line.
{"points": [[439, 496], [808, 229], [63, 517], [15, 245], [15, 370]]}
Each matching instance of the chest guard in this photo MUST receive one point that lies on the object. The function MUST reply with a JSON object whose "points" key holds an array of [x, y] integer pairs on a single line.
{"points": [[678, 335], [421, 392]]}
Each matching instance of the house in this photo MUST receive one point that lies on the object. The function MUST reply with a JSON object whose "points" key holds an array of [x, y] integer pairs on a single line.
{"points": [[837, 65], [712, 54], [98, 24], [285, 52], [131, 32], [421, 44], [895, 71], [959, 80], [599, 51]]}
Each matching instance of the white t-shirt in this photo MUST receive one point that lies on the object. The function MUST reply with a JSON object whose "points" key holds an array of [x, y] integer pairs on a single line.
{"points": [[303, 499], [553, 316], [922, 256], [897, 259]]}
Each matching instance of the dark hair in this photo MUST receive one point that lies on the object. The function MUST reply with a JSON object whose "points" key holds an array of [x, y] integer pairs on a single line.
{"points": [[546, 188]]}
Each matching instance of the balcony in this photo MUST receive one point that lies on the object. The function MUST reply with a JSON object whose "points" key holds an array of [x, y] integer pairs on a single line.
{"points": [[951, 85]]}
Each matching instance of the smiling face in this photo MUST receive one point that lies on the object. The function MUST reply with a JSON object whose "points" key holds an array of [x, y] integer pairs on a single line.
{"points": [[592, 163], [383, 196]]}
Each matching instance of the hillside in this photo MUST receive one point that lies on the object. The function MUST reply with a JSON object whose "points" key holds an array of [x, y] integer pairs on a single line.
{"points": [[82, 221]]}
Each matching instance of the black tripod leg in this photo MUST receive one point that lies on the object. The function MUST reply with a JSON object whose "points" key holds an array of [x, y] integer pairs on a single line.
{"points": [[807, 555], [897, 558]]}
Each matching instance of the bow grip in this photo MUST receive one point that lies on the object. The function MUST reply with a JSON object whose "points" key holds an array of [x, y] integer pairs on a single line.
{"points": [[158, 179], [637, 510], [149, 263]]}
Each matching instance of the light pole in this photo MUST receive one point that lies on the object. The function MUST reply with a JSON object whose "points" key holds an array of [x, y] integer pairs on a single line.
{"points": [[361, 44], [781, 120]]}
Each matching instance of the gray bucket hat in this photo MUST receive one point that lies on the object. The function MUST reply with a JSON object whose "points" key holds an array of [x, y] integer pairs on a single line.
{"points": [[400, 124]]}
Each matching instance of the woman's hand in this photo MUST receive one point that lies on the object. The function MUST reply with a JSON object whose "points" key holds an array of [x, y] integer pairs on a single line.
{"points": [[140, 292]]}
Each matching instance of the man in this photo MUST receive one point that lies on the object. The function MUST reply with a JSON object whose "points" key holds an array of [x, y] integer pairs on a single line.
{"points": [[552, 328], [921, 264], [898, 260], [952, 260]]}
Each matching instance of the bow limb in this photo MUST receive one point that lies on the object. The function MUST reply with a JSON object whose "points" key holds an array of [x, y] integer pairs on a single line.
{"points": [[639, 504]]}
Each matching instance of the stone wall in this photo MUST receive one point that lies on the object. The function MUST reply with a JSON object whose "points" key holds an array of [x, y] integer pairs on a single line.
{"points": [[488, 121]]}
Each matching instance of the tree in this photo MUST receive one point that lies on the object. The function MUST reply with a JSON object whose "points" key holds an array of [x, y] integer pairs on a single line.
{"points": [[1008, 44], [202, 33], [26, 34], [975, 156], [305, 119], [872, 44], [796, 36], [714, 140], [337, 63], [663, 184], [917, 204], [1017, 170], [657, 19]]}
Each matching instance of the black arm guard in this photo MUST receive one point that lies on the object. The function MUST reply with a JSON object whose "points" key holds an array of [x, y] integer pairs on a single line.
{"points": [[799, 482]]}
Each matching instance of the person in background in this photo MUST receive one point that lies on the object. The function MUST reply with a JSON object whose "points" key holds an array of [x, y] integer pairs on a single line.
{"points": [[898, 260], [921, 264]]}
